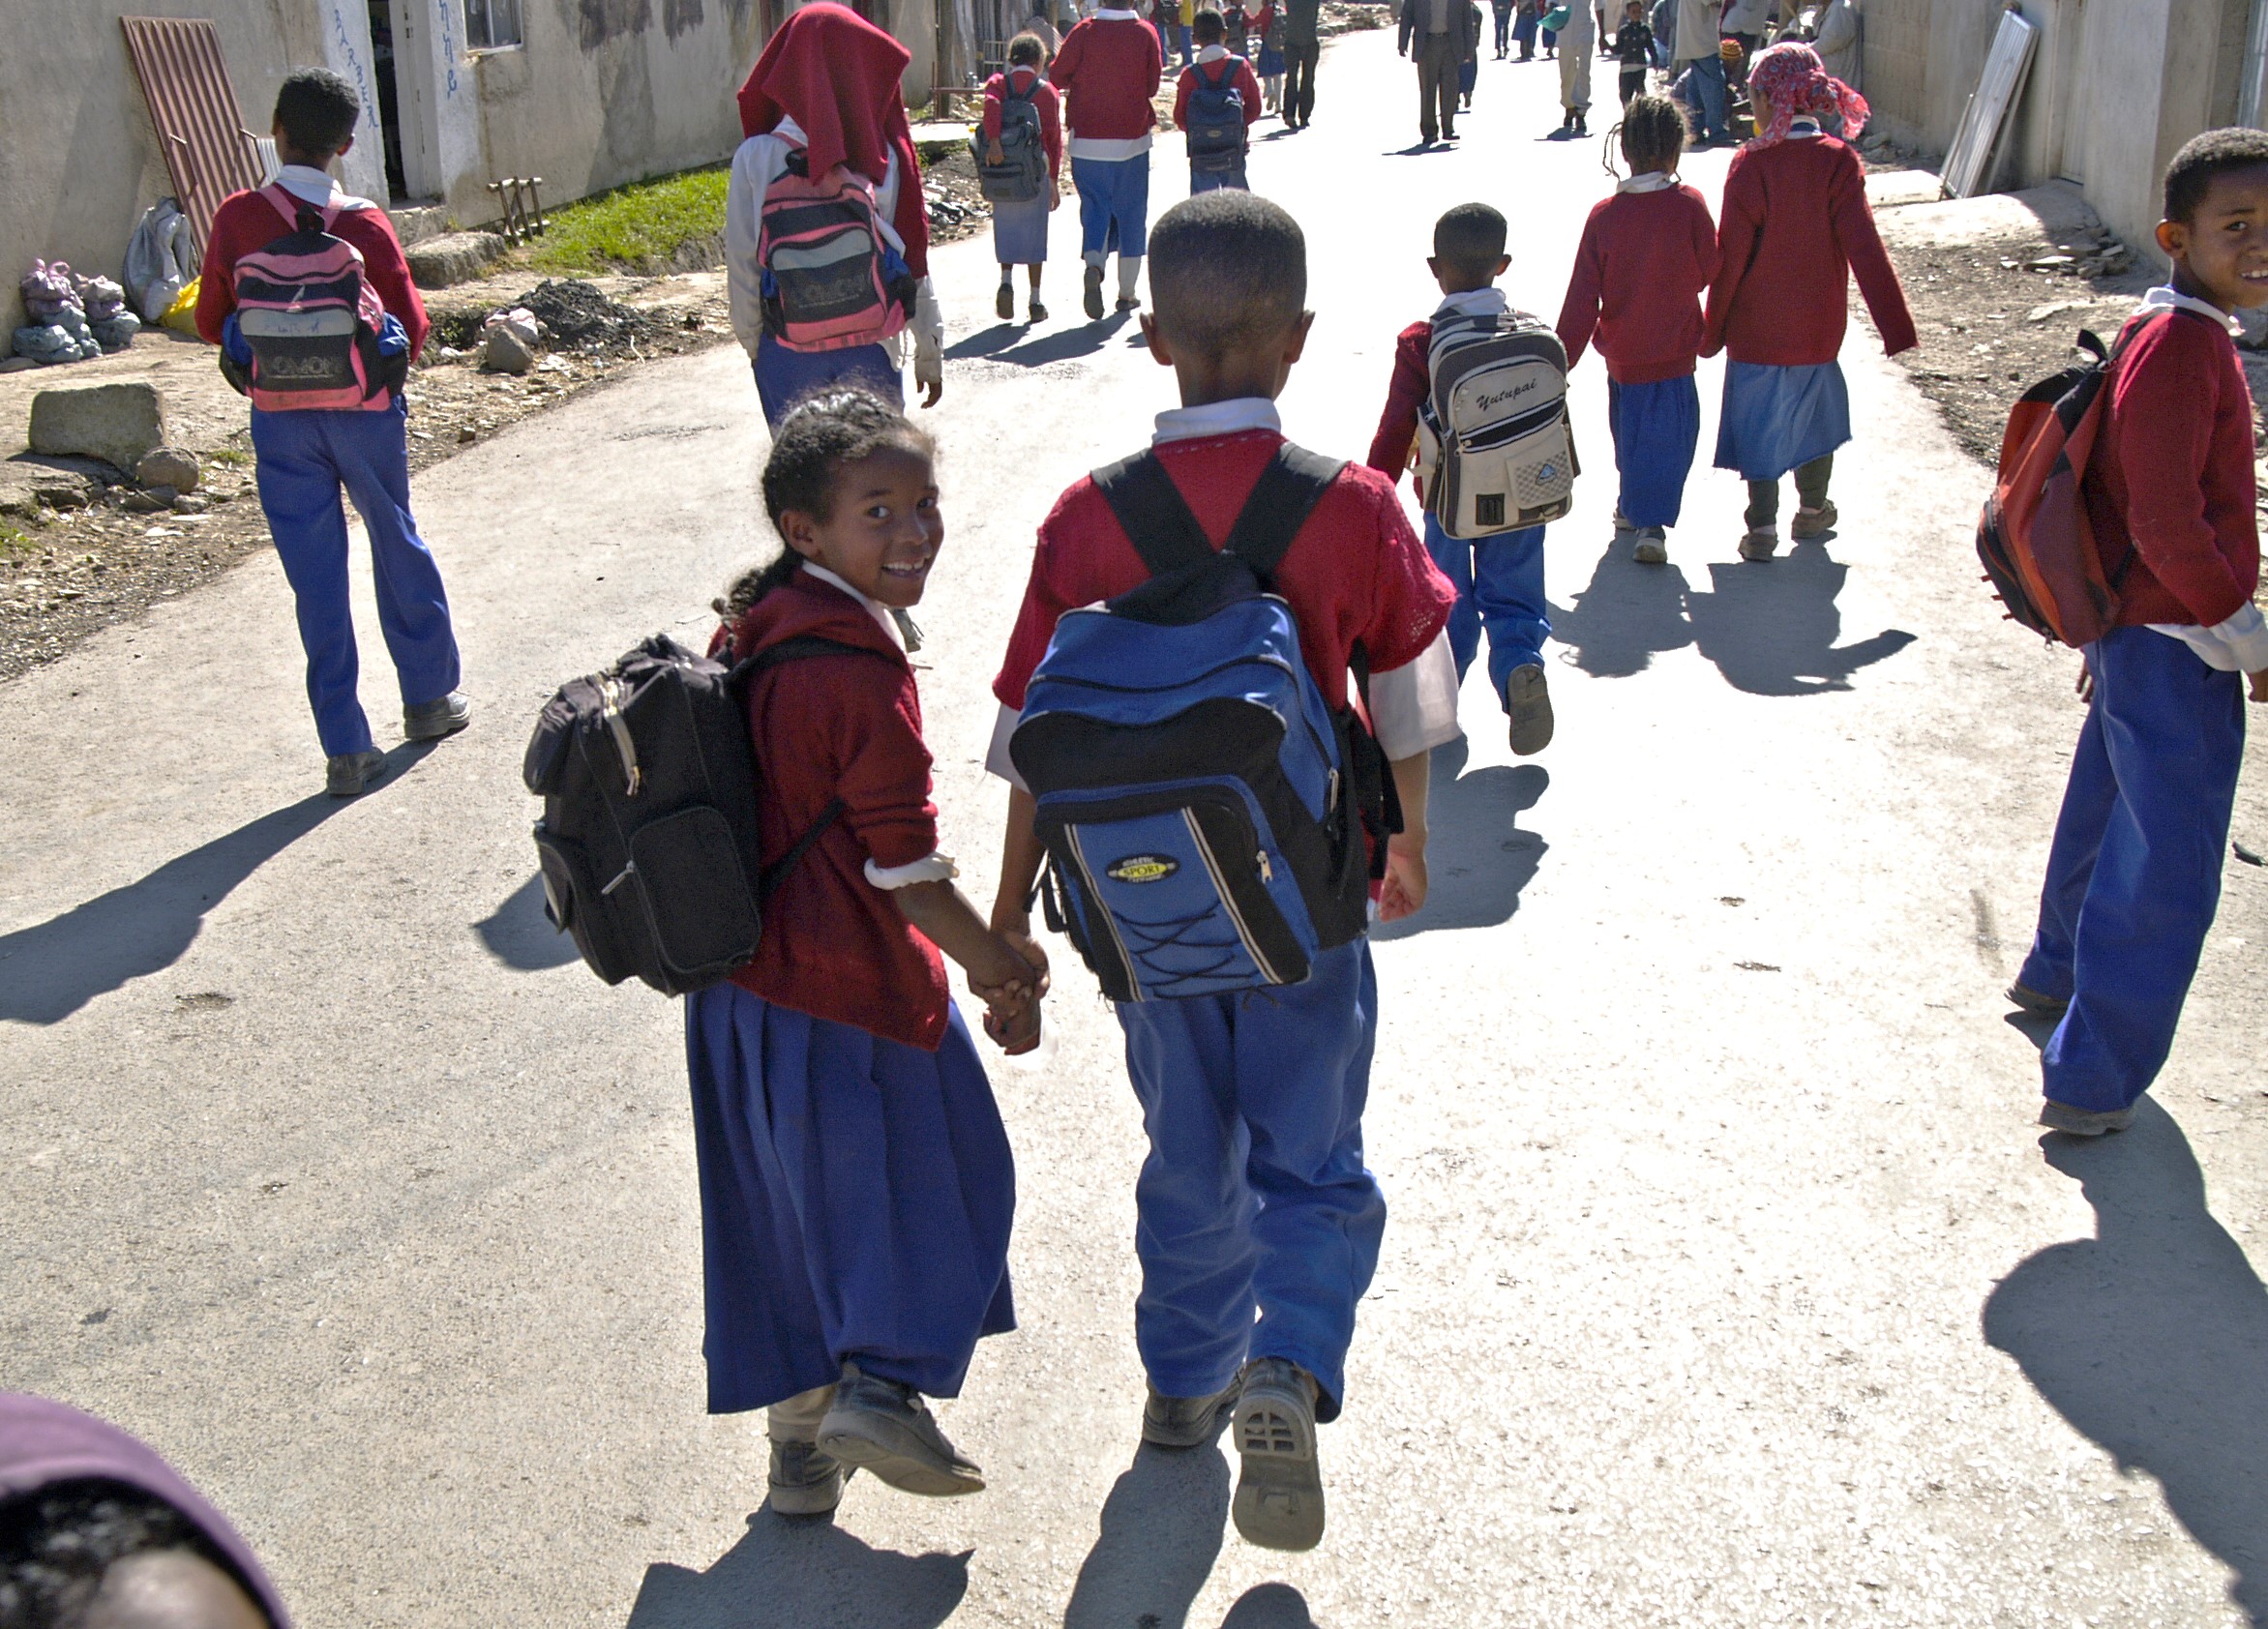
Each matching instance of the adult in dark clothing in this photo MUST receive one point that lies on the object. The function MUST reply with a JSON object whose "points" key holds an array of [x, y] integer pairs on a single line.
{"points": [[1438, 36], [1302, 46]]}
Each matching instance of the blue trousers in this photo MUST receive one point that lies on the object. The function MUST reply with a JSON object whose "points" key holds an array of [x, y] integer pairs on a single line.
{"points": [[785, 377], [2133, 877], [855, 1200], [1500, 588], [1215, 180], [1705, 80], [1657, 428], [1114, 206], [1254, 1199], [306, 460]]}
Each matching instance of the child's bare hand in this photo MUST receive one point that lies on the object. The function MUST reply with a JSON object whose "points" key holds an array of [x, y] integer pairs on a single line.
{"points": [[1028, 947], [1015, 1036], [2085, 686], [1405, 889], [2260, 685], [994, 152]]}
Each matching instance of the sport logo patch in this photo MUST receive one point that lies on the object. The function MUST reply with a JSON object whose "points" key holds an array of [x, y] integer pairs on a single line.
{"points": [[1142, 868]]}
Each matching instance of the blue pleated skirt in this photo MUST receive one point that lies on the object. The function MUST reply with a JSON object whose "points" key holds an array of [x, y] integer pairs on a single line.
{"points": [[1776, 418], [1020, 231], [855, 1200]]}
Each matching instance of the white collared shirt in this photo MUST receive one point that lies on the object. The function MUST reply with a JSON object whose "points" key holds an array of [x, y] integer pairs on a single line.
{"points": [[1412, 707], [310, 185], [1474, 302], [872, 608], [1652, 181], [1110, 149], [1210, 54], [2239, 644]]}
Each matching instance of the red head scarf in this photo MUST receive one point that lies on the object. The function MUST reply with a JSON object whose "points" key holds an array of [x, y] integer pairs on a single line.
{"points": [[838, 76], [1795, 82]]}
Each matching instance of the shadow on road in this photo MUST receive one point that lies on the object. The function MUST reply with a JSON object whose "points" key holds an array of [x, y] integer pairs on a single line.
{"points": [[1770, 626], [1161, 1532], [1269, 1606], [1477, 858], [801, 1574], [2152, 1338], [1627, 613], [998, 342], [48, 972], [519, 934]]}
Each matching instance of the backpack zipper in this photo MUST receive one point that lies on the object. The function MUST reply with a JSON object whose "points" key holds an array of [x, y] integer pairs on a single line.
{"points": [[1220, 884], [614, 693]]}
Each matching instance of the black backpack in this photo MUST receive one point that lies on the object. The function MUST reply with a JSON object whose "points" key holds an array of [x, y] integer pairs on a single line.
{"points": [[648, 840], [1021, 175]]}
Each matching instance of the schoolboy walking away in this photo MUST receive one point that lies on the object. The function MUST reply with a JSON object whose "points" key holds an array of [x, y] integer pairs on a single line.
{"points": [[1499, 580], [1216, 101], [1647, 256], [824, 94], [1109, 70], [1796, 227], [1020, 228], [856, 1187], [1438, 36], [1633, 49], [306, 456], [1501, 11], [1469, 71], [1259, 1224], [1302, 49], [1578, 39], [2133, 878]]}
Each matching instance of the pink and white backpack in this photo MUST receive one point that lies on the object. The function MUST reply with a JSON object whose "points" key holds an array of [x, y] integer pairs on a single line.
{"points": [[830, 277], [311, 316]]}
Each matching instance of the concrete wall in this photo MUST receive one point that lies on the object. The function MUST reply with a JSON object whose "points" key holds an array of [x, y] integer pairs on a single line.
{"points": [[2116, 86]]}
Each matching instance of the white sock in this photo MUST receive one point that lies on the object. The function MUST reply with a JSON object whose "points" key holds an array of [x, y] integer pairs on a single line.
{"points": [[796, 1419], [1094, 258], [1129, 275]]}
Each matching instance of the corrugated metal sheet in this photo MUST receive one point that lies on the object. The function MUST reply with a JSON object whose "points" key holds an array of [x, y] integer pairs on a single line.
{"points": [[208, 151]]}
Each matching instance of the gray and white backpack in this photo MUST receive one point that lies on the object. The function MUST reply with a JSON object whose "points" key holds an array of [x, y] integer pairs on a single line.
{"points": [[1495, 449]]}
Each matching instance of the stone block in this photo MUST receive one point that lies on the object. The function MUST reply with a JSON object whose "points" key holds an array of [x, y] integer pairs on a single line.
{"points": [[504, 352], [454, 257], [169, 466], [115, 423]]}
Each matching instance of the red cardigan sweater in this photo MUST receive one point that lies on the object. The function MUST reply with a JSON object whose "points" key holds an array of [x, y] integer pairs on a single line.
{"points": [[246, 222], [1108, 68], [847, 726], [1043, 99], [2171, 474], [1640, 271], [1796, 221]]}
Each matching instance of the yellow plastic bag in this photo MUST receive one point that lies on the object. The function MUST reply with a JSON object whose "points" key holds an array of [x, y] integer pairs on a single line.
{"points": [[181, 316]]}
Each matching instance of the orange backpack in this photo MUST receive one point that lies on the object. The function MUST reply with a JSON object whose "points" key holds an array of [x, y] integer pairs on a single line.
{"points": [[2034, 538]]}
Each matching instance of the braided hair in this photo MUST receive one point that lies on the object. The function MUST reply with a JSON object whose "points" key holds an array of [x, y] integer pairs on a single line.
{"points": [[1651, 135], [834, 425]]}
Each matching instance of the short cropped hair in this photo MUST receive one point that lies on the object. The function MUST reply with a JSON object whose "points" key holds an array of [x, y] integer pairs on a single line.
{"points": [[316, 110], [2204, 156], [1470, 239], [1026, 51], [1226, 268], [1208, 28]]}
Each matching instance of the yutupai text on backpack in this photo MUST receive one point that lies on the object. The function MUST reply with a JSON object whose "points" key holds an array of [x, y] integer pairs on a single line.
{"points": [[830, 277], [1496, 451], [310, 319], [2034, 538], [649, 844], [1021, 175], [1209, 821]]}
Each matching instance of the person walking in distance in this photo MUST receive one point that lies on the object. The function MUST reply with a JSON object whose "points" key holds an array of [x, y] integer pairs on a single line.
{"points": [[1503, 12], [311, 446], [1578, 40], [1302, 47], [1020, 228], [1216, 101], [1698, 36], [1108, 72], [1438, 36]]}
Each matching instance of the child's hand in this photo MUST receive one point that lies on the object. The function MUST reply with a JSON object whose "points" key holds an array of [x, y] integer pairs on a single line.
{"points": [[1405, 889], [2260, 685], [993, 153], [1015, 1036], [1054, 196], [2084, 688]]}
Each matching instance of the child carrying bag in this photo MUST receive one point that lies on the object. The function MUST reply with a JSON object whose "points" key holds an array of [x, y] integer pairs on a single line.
{"points": [[1204, 813], [1496, 451], [1022, 172], [649, 839], [830, 279], [310, 319], [1216, 118], [2034, 538]]}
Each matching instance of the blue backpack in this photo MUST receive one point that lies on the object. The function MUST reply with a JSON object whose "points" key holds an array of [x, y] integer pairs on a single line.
{"points": [[1204, 813], [1216, 118]]}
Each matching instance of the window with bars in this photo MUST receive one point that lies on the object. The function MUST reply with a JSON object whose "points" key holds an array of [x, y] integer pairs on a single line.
{"points": [[490, 24]]}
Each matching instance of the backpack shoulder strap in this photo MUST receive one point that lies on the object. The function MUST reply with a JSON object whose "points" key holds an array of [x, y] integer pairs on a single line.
{"points": [[797, 649], [1152, 513], [1288, 489]]}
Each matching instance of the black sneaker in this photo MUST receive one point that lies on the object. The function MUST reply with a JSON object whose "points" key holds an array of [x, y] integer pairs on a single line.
{"points": [[1038, 309], [1279, 1483], [1005, 307], [1186, 1422], [2037, 1002], [2083, 1122], [804, 1481], [1527, 703], [352, 774], [1095, 293], [430, 721], [886, 1428]]}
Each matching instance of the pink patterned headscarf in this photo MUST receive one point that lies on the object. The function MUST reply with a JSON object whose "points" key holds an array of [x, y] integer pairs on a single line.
{"points": [[1795, 82]]}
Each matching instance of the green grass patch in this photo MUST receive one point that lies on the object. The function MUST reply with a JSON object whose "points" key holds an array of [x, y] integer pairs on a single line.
{"points": [[228, 455], [13, 541], [645, 226]]}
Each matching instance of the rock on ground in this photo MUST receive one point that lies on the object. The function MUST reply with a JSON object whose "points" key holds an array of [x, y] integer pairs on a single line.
{"points": [[115, 423], [169, 466]]}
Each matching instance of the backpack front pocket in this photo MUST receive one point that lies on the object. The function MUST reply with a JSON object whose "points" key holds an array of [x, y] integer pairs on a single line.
{"points": [[686, 869], [826, 280]]}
